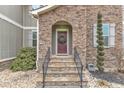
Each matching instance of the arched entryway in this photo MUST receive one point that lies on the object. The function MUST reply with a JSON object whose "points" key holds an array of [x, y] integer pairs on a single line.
{"points": [[61, 38]]}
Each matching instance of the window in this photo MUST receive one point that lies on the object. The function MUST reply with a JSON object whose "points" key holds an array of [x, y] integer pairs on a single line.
{"points": [[108, 35], [34, 39], [35, 7]]}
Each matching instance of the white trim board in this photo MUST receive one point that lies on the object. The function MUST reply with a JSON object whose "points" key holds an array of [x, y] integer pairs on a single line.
{"points": [[29, 28], [10, 20], [44, 9], [7, 59], [14, 23], [37, 39]]}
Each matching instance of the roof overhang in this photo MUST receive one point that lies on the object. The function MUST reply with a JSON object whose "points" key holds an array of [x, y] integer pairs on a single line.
{"points": [[45, 9]]}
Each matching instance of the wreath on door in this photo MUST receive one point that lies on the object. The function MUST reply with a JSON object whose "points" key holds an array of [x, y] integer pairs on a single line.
{"points": [[62, 39]]}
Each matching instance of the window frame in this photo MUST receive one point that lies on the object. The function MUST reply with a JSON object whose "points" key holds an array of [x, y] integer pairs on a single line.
{"points": [[95, 34], [34, 31], [107, 35]]}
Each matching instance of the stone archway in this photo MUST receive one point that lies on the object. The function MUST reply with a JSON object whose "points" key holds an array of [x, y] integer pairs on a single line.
{"points": [[61, 38]]}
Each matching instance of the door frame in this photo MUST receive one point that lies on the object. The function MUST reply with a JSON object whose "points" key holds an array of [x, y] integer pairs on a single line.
{"points": [[62, 30]]}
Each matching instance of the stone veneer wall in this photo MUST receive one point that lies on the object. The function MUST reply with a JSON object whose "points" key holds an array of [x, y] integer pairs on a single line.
{"points": [[81, 19], [75, 15], [111, 14]]}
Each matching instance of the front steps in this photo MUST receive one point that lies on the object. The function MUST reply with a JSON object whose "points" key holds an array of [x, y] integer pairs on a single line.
{"points": [[62, 72]]}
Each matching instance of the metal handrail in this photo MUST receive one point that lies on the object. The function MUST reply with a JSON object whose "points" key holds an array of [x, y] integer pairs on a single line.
{"points": [[45, 65], [78, 65]]}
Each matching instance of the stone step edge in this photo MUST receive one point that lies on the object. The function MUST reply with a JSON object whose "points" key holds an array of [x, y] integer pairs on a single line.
{"points": [[54, 72], [60, 81], [61, 67], [62, 73], [65, 75], [61, 57], [63, 62], [84, 81], [76, 81], [62, 86]]}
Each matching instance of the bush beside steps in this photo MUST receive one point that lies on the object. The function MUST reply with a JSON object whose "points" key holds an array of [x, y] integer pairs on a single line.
{"points": [[25, 60]]}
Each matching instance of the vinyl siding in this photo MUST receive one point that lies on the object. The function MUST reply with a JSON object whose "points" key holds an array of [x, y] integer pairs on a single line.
{"points": [[27, 36], [28, 20], [14, 12], [10, 39]]}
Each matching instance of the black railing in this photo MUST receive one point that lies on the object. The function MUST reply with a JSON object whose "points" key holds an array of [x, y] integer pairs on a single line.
{"points": [[78, 64], [45, 65]]}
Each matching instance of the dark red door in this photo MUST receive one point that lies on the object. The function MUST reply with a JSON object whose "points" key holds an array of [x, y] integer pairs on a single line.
{"points": [[62, 42]]}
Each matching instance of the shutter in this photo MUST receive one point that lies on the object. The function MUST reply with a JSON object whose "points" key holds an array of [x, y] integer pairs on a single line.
{"points": [[94, 35], [112, 35]]}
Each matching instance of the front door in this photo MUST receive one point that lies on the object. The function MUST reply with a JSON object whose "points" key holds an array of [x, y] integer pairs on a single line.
{"points": [[62, 43]]}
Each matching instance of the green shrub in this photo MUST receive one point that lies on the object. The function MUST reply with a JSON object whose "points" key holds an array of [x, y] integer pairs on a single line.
{"points": [[100, 42], [25, 60]]}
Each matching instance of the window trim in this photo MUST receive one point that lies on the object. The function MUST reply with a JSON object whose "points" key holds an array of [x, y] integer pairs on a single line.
{"points": [[95, 25], [107, 35], [34, 31]]}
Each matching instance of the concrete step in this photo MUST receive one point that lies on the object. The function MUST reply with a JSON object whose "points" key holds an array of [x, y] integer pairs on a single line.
{"points": [[62, 60], [62, 79], [71, 86], [60, 56], [66, 69], [62, 75], [62, 72], [62, 83], [62, 63]]}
